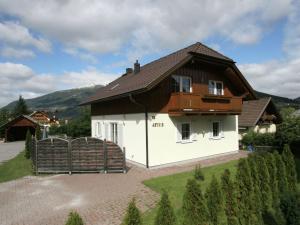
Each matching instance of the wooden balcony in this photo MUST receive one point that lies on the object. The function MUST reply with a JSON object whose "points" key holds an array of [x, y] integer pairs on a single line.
{"points": [[188, 103]]}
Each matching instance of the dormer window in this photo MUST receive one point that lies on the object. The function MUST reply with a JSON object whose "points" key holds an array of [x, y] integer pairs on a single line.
{"points": [[181, 84], [215, 87]]}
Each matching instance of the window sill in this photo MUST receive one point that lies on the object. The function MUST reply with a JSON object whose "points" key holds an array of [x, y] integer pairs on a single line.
{"points": [[216, 138], [185, 142]]}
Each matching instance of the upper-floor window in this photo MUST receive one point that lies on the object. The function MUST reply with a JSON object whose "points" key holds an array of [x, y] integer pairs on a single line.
{"points": [[215, 87], [181, 84]]}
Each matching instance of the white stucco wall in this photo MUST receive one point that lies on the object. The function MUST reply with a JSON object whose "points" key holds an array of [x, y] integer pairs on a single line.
{"points": [[163, 145], [164, 148]]}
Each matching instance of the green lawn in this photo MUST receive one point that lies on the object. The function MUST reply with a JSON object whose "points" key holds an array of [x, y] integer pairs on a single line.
{"points": [[175, 186], [15, 168]]}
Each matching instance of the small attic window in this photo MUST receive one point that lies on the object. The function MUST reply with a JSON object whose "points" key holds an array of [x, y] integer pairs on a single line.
{"points": [[112, 88]]}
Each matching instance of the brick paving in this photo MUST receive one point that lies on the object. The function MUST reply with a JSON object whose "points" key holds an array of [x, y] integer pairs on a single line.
{"points": [[101, 199]]}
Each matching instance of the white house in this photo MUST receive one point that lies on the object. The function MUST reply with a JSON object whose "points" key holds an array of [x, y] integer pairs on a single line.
{"points": [[183, 106]]}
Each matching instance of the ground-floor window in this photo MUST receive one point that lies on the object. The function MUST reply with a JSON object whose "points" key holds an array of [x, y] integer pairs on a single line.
{"points": [[114, 132], [185, 131]]}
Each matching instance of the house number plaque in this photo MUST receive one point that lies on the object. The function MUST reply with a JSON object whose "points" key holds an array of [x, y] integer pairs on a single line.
{"points": [[157, 124]]}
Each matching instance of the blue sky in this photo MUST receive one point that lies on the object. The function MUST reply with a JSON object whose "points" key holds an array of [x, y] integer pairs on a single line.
{"points": [[44, 47]]}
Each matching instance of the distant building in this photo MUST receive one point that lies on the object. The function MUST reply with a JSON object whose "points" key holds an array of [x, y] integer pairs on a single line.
{"points": [[260, 116], [297, 113]]}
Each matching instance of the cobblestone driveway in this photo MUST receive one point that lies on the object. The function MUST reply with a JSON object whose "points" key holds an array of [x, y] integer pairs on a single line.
{"points": [[101, 199]]}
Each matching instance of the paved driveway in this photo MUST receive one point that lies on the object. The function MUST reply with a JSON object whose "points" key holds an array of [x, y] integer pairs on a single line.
{"points": [[10, 150], [101, 199]]}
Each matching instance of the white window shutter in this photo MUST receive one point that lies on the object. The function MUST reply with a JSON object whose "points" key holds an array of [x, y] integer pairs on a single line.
{"points": [[120, 135], [106, 131], [194, 133], [178, 132], [221, 130]]}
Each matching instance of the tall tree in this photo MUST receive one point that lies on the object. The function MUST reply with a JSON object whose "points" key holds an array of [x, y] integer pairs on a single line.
{"points": [[245, 195], [165, 214], [281, 173], [264, 183], [21, 107], [229, 190], [215, 202], [133, 215], [289, 161], [194, 205]]}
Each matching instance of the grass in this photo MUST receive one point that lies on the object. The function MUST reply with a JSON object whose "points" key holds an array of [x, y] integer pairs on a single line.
{"points": [[175, 186], [15, 168]]}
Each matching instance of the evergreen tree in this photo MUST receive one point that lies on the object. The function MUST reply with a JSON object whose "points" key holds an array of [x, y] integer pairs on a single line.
{"points": [[194, 208], [165, 214], [271, 165], [229, 190], [21, 107], [74, 219], [290, 206], [38, 134], [281, 173], [198, 174], [264, 183], [289, 161], [28, 144], [245, 194], [215, 202], [133, 216]]}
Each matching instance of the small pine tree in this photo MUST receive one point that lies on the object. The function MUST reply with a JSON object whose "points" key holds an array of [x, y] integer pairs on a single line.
{"points": [[165, 214], [245, 194], [229, 191], [28, 145], [271, 165], [289, 161], [198, 174], [21, 107], [215, 202], [194, 207], [38, 134], [281, 173], [264, 183], [74, 219], [133, 216]]}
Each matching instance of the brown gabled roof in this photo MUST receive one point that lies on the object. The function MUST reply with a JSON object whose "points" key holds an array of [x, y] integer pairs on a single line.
{"points": [[19, 117], [252, 111], [151, 73]]}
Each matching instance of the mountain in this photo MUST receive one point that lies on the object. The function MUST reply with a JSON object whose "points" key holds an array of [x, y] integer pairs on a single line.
{"points": [[64, 104], [280, 101]]}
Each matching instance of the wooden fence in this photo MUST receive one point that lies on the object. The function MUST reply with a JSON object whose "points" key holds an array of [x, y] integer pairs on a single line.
{"points": [[56, 155]]}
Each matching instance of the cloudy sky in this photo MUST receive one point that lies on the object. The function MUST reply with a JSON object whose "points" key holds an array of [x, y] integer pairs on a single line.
{"points": [[53, 45]]}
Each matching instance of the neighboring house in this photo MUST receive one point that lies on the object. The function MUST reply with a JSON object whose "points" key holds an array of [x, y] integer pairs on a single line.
{"points": [[44, 119], [260, 116], [16, 129], [180, 107]]}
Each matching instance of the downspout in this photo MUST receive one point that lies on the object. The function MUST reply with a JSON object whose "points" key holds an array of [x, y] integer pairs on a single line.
{"points": [[146, 126]]}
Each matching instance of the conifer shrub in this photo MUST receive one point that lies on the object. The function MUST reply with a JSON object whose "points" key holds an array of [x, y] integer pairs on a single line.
{"points": [[245, 194], [229, 191], [290, 206], [198, 173], [38, 134], [281, 173], [289, 161], [215, 202], [28, 145], [74, 219], [194, 206], [165, 214], [133, 215]]}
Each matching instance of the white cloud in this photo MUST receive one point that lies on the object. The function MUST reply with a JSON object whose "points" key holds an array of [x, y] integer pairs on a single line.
{"points": [[82, 55], [13, 33], [19, 79], [146, 26], [10, 52]]}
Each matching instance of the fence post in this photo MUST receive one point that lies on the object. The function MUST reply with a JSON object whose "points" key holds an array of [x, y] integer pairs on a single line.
{"points": [[124, 160], [36, 158], [70, 156], [105, 156]]}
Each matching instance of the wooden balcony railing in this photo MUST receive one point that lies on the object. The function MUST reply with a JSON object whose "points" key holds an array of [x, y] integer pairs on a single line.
{"points": [[193, 103]]}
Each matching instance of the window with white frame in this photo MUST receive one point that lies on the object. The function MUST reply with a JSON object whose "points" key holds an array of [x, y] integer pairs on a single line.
{"points": [[114, 132], [215, 87], [216, 130], [98, 130], [181, 84], [185, 131]]}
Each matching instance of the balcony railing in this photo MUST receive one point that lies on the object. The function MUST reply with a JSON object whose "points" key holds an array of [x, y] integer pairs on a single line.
{"points": [[193, 103]]}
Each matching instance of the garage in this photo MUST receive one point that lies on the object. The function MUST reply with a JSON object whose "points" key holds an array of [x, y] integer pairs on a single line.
{"points": [[16, 129]]}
